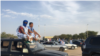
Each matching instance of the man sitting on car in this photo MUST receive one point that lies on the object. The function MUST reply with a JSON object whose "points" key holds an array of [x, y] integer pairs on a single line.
{"points": [[32, 32], [22, 31]]}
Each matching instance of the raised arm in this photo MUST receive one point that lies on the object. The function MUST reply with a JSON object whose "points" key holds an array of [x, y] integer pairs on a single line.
{"points": [[37, 33], [22, 30]]}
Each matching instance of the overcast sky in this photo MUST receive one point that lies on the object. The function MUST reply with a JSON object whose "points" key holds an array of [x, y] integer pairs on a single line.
{"points": [[60, 17]]}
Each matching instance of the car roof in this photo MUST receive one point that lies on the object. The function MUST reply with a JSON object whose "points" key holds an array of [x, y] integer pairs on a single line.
{"points": [[78, 41], [88, 39], [10, 39], [93, 37]]}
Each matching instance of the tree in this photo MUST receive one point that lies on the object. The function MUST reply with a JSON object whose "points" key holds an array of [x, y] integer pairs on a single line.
{"points": [[4, 35], [69, 37], [63, 36], [75, 36], [82, 36], [91, 33]]}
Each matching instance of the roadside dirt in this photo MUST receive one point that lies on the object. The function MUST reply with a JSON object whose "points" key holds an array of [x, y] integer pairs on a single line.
{"points": [[76, 52]]}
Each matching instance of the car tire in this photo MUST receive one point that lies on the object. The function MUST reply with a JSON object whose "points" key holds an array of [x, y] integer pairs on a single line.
{"points": [[61, 49], [73, 47]]}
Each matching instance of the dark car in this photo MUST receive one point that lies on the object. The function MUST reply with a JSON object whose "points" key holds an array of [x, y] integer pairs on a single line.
{"points": [[82, 41], [91, 47], [78, 43], [42, 41], [18, 47]]}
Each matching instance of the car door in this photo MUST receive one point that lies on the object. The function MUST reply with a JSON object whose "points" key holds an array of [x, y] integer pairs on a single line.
{"points": [[19, 49], [47, 45], [55, 46], [77, 43], [94, 44], [68, 44], [5, 45]]}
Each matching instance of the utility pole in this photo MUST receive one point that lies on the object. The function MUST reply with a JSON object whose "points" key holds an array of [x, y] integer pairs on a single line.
{"points": [[44, 30], [87, 31], [38, 26]]}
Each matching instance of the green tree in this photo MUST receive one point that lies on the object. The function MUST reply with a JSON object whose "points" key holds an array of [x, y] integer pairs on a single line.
{"points": [[91, 33], [75, 36], [69, 37], [63, 36], [82, 36], [4, 35]]}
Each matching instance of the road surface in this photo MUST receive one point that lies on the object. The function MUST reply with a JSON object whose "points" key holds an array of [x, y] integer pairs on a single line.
{"points": [[76, 52]]}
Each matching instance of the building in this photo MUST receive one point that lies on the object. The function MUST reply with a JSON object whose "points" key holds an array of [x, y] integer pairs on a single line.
{"points": [[48, 38]]}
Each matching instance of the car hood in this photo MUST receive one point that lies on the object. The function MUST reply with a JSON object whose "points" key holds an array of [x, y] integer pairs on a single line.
{"points": [[52, 53], [74, 44]]}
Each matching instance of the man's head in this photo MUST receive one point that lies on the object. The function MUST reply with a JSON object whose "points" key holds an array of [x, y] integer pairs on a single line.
{"points": [[31, 24], [25, 23]]}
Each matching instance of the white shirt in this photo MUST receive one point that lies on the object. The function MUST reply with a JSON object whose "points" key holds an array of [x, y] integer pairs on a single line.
{"points": [[21, 35], [70, 41]]}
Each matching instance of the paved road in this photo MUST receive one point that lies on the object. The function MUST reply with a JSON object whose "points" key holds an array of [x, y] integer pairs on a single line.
{"points": [[76, 52]]}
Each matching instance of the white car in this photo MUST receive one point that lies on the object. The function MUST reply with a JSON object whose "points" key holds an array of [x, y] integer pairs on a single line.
{"points": [[54, 46], [70, 46]]}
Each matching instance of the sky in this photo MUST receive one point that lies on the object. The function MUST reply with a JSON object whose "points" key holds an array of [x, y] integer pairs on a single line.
{"points": [[54, 17]]}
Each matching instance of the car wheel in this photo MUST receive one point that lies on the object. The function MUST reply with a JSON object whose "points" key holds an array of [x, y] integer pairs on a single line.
{"points": [[61, 49], [73, 47]]}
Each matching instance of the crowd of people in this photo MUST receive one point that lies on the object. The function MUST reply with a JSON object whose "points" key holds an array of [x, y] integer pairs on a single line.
{"points": [[62, 41], [27, 32]]}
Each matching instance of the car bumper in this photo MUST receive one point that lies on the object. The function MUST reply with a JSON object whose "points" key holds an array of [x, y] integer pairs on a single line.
{"points": [[85, 54], [75, 46], [65, 49]]}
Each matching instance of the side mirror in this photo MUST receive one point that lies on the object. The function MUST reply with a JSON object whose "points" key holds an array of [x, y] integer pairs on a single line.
{"points": [[25, 50]]}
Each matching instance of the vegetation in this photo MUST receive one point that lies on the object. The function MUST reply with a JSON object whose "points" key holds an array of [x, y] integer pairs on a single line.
{"points": [[4, 35], [76, 36]]}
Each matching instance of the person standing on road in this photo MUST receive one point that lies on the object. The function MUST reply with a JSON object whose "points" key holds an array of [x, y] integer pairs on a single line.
{"points": [[62, 42], [71, 41], [32, 32]]}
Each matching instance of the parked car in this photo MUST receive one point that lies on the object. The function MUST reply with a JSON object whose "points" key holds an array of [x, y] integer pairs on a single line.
{"points": [[82, 41], [70, 46], [78, 43], [91, 47], [42, 41], [54, 46], [18, 47]]}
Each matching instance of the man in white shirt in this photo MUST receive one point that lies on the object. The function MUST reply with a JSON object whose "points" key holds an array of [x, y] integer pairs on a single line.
{"points": [[71, 41], [32, 32], [22, 31]]}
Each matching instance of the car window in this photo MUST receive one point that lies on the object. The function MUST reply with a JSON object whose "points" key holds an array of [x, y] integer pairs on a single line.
{"points": [[56, 43], [49, 43], [95, 41], [76, 42], [18, 46], [66, 42], [4, 45]]}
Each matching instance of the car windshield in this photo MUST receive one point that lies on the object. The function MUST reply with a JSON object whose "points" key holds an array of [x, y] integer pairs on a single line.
{"points": [[35, 46], [66, 42]]}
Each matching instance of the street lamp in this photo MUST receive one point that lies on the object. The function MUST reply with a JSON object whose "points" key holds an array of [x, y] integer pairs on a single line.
{"points": [[44, 29], [87, 31]]}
